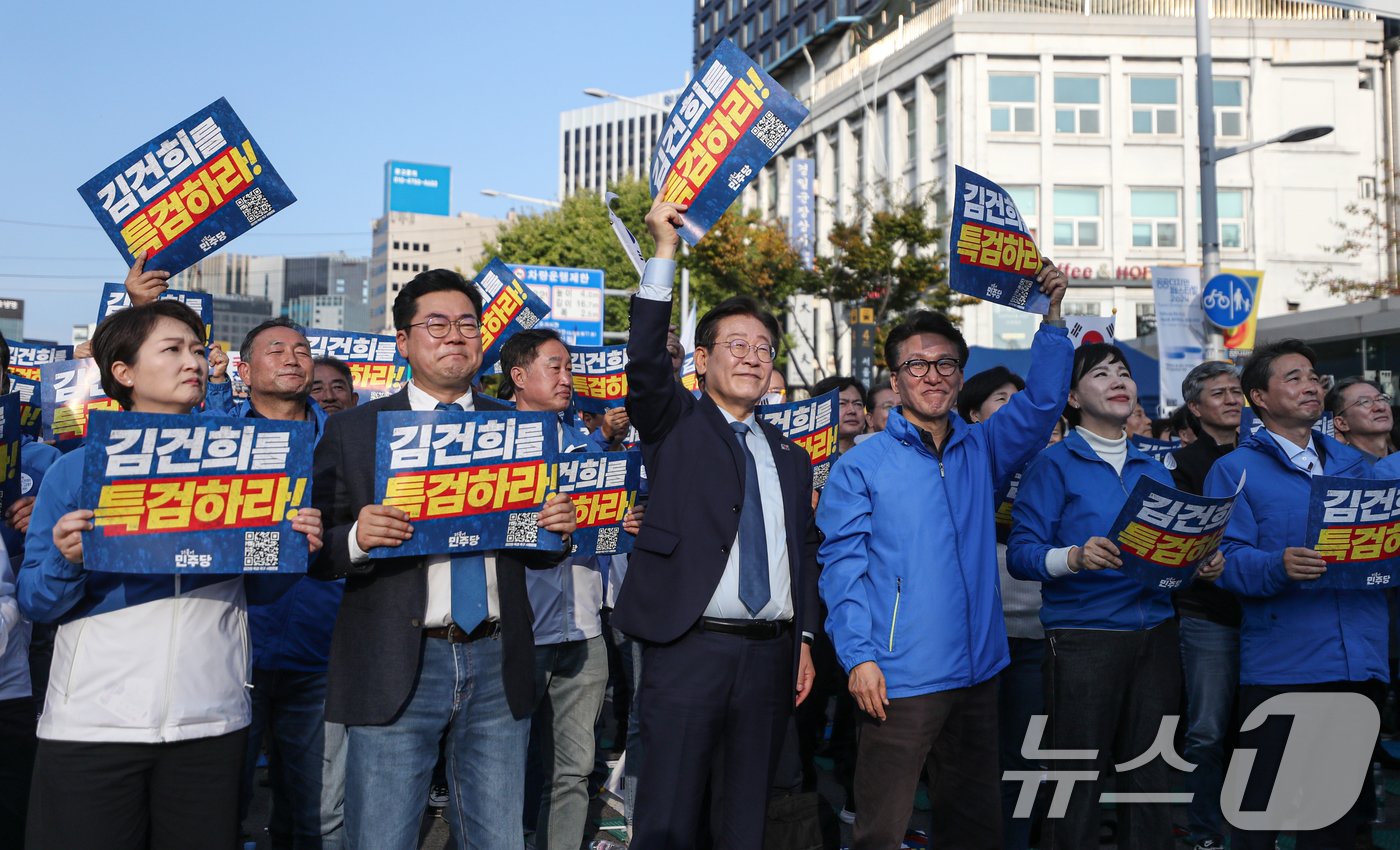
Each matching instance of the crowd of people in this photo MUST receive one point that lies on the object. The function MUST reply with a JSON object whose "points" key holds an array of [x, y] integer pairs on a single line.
{"points": [[947, 608]]}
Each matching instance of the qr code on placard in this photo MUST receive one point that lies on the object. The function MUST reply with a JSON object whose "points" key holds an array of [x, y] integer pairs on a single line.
{"points": [[607, 540], [521, 530], [819, 475], [770, 131], [261, 549], [527, 318], [254, 206]]}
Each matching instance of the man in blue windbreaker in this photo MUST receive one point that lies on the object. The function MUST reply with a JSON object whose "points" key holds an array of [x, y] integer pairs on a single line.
{"points": [[1293, 638], [909, 576]]}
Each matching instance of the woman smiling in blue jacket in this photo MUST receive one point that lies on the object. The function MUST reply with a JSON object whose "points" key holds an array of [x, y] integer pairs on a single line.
{"points": [[1112, 670]]}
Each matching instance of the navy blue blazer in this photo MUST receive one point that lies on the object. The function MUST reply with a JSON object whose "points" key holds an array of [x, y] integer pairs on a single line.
{"points": [[695, 472]]}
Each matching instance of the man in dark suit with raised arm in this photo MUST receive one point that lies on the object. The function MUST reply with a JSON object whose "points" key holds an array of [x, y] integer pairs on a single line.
{"points": [[426, 647], [721, 583]]}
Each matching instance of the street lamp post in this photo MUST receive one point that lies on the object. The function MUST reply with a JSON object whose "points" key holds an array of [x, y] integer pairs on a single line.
{"points": [[527, 199], [1210, 155]]}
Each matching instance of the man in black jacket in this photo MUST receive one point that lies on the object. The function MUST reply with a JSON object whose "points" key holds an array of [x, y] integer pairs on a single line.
{"points": [[1210, 616], [406, 670], [722, 582]]}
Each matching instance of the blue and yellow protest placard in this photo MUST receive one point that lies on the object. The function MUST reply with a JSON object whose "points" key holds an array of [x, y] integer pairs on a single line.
{"points": [[604, 486], [993, 255], [468, 480], [30, 410], [115, 298], [373, 359], [724, 128], [600, 377], [187, 192], [10, 433], [810, 423], [27, 357], [195, 494], [69, 392], [1163, 534], [1158, 450], [689, 378], [508, 306], [1354, 525]]}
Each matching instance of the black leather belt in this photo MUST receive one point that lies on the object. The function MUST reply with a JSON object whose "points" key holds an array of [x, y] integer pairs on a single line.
{"points": [[751, 629], [453, 633]]}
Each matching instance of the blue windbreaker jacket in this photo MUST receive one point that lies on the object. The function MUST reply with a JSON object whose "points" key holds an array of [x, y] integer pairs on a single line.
{"points": [[909, 566], [1292, 634], [1068, 495]]}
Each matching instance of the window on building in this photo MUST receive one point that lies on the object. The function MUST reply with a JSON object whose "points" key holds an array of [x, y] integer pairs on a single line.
{"points": [[1230, 206], [1027, 200], [396, 265], [1078, 106], [940, 117], [911, 130], [1146, 315], [1155, 105], [1229, 108], [1013, 102], [1156, 218], [784, 6], [765, 19], [415, 246], [425, 247], [749, 30], [396, 246], [1078, 217]]}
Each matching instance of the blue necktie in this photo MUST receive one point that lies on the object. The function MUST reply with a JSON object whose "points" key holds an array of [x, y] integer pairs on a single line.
{"points": [[468, 579], [753, 538]]}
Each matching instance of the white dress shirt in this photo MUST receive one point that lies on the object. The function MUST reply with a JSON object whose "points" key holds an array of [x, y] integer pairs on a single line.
{"points": [[1305, 458], [439, 609]]}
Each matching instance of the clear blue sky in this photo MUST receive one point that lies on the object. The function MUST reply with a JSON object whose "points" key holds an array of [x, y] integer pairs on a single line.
{"points": [[331, 90]]}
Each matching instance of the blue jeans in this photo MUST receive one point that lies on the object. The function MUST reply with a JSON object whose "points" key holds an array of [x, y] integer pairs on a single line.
{"points": [[1210, 664], [306, 759], [459, 693], [1020, 696]]}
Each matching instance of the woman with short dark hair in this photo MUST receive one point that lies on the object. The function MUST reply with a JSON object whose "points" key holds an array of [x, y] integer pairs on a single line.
{"points": [[147, 708]]}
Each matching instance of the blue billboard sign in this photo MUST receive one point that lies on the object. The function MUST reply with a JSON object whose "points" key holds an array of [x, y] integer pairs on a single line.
{"points": [[575, 299], [417, 188]]}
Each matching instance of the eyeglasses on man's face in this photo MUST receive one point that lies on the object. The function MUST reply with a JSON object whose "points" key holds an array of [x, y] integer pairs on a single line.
{"points": [[1367, 402], [740, 349], [438, 327], [917, 367]]}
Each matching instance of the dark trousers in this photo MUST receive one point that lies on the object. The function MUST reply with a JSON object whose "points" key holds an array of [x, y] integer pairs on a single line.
{"points": [[829, 689], [714, 710], [1270, 740], [136, 796], [1020, 696], [953, 734], [1107, 691], [17, 743]]}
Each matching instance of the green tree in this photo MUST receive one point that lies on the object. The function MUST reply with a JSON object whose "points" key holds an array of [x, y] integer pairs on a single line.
{"points": [[1364, 233], [887, 256]]}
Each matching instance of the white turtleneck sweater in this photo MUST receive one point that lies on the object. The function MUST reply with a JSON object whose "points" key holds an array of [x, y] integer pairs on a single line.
{"points": [[1115, 452]]}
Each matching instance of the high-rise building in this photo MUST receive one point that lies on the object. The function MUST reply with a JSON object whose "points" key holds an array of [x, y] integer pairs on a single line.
{"points": [[235, 315], [774, 32], [1086, 113], [606, 142], [12, 318], [408, 243], [220, 274]]}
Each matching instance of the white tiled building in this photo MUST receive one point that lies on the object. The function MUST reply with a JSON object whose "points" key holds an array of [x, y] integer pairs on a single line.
{"points": [[1085, 110]]}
